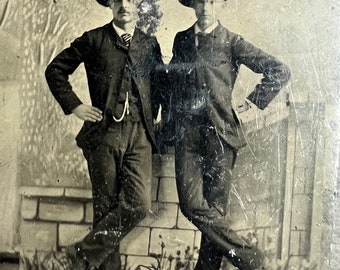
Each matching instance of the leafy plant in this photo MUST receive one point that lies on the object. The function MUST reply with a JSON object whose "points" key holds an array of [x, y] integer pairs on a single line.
{"points": [[170, 262], [39, 260]]}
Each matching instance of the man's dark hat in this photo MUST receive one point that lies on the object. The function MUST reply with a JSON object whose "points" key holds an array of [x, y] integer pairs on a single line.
{"points": [[104, 3], [188, 3]]}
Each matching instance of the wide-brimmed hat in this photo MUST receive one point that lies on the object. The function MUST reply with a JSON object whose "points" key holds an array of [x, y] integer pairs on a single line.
{"points": [[188, 3], [104, 3]]}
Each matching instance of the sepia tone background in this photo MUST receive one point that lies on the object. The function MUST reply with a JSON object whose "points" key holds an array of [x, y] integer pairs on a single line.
{"points": [[285, 192]]}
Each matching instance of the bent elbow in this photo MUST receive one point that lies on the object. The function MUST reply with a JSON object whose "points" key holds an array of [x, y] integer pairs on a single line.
{"points": [[286, 73]]}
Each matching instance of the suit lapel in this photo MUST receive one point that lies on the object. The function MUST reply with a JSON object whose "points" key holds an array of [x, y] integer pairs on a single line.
{"points": [[138, 44], [218, 38], [188, 46], [114, 37], [216, 47]]}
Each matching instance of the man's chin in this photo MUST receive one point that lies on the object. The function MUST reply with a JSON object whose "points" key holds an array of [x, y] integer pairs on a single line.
{"points": [[205, 21]]}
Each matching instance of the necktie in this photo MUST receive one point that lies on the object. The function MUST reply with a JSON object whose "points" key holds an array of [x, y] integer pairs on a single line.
{"points": [[202, 39], [127, 39]]}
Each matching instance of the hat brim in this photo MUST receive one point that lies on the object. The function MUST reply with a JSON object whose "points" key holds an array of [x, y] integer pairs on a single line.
{"points": [[104, 3], [190, 3], [187, 3]]}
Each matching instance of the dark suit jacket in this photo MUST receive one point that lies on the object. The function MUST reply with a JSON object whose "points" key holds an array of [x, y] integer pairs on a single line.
{"points": [[214, 68], [104, 55]]}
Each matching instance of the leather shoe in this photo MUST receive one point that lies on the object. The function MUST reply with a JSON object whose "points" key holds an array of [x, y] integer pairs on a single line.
{"points": [[77, 261]]}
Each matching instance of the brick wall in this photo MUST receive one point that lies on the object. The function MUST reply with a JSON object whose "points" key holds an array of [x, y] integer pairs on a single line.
{"points": [[258, 180], [276, 200], [55, 217], [37, 142], [301, 239]]}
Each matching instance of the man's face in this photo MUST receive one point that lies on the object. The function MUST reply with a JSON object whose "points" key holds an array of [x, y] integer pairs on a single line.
{"points": [[124, 11], [206, 11]]}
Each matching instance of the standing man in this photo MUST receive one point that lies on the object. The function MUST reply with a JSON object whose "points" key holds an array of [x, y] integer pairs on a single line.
{"points": [[206, 61], [117, 136]]}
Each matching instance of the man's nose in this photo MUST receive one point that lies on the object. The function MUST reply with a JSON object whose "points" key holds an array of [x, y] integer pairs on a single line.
{"points": [[206, 5]]}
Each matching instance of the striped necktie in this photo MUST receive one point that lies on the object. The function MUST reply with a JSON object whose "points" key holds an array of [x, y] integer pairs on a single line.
{"points": [[127, 39]]}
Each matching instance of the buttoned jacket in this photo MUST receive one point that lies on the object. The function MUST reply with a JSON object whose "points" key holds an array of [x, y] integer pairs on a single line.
{"points": [[214, 68], [105, 59]]}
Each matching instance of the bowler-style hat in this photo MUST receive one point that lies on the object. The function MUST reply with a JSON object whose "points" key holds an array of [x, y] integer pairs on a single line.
{"points": [[104, 3]]}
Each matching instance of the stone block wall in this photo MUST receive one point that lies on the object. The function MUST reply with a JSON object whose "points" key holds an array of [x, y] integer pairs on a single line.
{"points": [[54, 217], [302, 217], [258, 179], [39, 154], [275, 201]]}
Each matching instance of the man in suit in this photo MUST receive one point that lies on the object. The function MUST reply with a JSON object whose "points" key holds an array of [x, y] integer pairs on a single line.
{"points": [[117, 137], [207, 133]]}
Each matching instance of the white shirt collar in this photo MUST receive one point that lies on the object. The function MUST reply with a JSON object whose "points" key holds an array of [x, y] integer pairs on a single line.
{"points": [[206, 31], [120, 31]]}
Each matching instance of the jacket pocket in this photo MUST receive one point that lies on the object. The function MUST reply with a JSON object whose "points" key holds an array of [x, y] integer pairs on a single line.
{"points": [[90, 135]]}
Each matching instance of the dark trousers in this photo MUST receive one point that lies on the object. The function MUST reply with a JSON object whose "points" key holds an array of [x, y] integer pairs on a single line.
{"points": [[120, 172], [204, 165]]}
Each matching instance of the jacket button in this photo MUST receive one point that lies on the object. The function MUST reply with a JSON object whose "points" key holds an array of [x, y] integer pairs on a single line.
{"points": [[143, 96], [204, 85]]}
